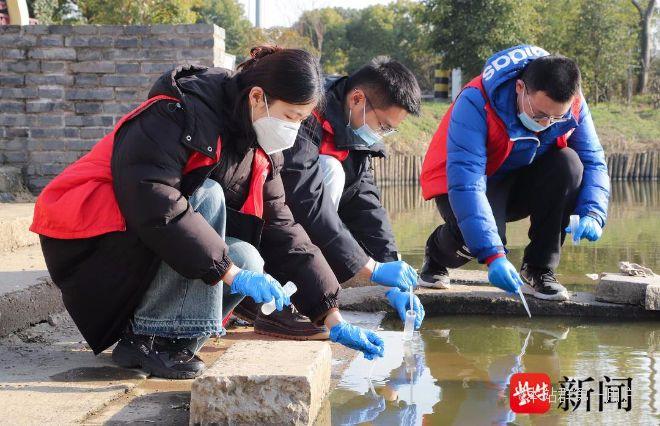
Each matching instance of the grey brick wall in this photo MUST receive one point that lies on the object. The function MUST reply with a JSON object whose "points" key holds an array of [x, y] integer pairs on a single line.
{"points": [[63, 87]]}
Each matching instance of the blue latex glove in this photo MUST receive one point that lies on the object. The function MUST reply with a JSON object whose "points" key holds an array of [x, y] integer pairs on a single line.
{"points": [[395, 274], [262, 288], [400, 301], [588, 228], [502, 274], [359, 339], [402, 375]]}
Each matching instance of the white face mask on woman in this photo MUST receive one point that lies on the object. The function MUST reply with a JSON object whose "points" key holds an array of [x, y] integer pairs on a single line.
{"points": [[273, 134]]}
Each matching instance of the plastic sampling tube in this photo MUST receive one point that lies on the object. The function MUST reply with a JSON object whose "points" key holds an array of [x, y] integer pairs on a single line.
{"points": [[574, 222], [524, 302], [409, 324], [268, 308]]}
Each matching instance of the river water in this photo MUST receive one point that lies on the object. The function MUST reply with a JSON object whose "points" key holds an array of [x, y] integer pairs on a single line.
{"points": [[459, 368]]}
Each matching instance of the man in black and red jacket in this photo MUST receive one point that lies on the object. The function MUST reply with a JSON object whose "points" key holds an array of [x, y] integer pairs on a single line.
{"points": [[330, 186]]}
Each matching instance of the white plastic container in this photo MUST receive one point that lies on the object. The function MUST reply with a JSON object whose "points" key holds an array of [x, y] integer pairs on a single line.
{"points": [[268, 308], [574, 222]]}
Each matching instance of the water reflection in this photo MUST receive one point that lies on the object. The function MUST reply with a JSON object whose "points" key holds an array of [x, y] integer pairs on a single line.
{"points": [[397, 389], [459, 372], [632, 232]]}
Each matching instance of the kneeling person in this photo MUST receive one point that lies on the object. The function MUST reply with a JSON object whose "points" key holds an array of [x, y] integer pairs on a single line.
{"points": [[518, 142]]}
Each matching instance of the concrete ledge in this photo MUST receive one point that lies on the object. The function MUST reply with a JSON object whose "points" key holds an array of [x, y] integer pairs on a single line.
{"points": [[263, 382], [470, 299], [619, 288], [27, 295], [15, 221], [458, 276], [11, 180], [652, 298], [35, 301]]}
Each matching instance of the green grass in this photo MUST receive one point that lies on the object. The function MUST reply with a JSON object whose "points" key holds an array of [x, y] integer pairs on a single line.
{"points": [[621, 128]]}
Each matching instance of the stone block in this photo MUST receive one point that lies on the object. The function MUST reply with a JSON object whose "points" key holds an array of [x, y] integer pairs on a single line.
{"points": [[618, 288], [652, 298], [11, 179], [54, 53], [94, 67], [263, 382], [100, 94]]}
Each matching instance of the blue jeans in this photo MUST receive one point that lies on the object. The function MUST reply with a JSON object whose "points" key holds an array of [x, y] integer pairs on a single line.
{"points": [[178, 307]]}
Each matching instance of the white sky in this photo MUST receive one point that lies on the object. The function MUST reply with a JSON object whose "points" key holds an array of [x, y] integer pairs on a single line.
{"points": [[286, 12]]}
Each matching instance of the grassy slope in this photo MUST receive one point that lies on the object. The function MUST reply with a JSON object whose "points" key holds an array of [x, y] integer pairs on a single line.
{"points": [[620, 127]]}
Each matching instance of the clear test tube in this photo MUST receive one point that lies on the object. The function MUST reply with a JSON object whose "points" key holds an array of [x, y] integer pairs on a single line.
{"points": [[409, 325], [574, 222]]}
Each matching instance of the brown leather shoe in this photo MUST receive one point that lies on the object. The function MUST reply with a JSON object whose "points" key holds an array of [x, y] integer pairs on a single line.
{"points": [[291, 325]]}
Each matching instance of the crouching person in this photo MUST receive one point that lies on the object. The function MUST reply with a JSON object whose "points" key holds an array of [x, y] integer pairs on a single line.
{"points": [[165, 226]]}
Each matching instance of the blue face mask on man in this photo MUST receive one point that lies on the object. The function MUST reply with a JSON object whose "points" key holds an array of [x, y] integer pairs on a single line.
{"points": [[364, 132], [528, 121]]}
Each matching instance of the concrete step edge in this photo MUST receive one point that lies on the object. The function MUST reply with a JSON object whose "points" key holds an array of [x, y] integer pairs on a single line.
{"points": [[29, 305]]}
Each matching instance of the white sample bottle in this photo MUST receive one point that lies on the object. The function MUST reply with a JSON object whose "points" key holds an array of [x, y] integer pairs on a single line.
{"points": [[574, 222], [268, 308]]}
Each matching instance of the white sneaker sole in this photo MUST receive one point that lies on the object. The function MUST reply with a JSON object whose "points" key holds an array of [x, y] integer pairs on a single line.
{"points": [[439, 285], [559, 297]]}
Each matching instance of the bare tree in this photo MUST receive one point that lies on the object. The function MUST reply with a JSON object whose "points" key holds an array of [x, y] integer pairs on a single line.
{"points": [[645, 20]]}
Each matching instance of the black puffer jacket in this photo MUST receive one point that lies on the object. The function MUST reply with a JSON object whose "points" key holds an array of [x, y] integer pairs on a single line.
{"points": [[104, 278], [360, 228]]}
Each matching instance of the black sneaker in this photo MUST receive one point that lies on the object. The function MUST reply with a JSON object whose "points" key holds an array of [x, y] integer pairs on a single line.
{"points": [[160, 356], [432, 276], [542, 283], [289, 324]]}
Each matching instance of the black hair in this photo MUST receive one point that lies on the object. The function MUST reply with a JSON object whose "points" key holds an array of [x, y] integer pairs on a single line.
{"points": [[290, 75], [387, 82], [556, 75]]}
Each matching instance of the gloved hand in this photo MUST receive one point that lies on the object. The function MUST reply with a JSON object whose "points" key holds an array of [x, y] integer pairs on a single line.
{"points": [[502, 274], [395, 274], [261, 287], [358, 338], [588, 228], [400, 301], [402, 375]]}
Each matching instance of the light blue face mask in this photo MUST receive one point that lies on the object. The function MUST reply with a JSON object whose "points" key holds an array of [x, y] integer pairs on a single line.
{"points": [[364, 132], [529, 122]]}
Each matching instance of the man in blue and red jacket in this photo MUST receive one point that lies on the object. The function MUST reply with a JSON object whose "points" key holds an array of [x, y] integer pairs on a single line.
{"points": [[518, 141]]}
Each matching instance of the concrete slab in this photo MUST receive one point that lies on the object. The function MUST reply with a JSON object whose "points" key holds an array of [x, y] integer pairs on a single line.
{"points": [[463, 299], [15, 221], [457, 276], [242, 389], [619, 288], [48, 375], [652, 298], [167, 402], [27, 295]]}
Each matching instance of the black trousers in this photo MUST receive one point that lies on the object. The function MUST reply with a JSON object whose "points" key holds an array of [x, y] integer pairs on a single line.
{"points": [[545, 191]]}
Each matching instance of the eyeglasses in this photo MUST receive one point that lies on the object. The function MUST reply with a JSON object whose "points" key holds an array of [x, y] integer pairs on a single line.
{"points": [[540, 117], [382, 130]]}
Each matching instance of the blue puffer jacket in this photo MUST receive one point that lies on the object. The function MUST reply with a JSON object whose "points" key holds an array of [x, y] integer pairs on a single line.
{"points": [[466, 151]]}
